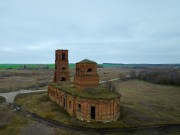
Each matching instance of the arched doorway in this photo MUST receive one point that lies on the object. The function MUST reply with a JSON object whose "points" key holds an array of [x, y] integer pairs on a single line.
{"points": [[63, 79], [93, 112]]}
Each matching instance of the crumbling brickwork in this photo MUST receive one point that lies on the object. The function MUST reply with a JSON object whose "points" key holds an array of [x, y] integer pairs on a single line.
{"points": [[104, 110], [61, 66], [101, 107], [86, 74]]}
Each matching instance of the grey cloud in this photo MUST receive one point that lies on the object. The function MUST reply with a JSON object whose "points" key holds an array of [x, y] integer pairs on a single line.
{"points": [[107, 31]]}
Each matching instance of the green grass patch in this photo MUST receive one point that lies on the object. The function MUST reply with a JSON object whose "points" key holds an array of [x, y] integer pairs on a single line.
{"points": [[10, 66], [31, 66]]}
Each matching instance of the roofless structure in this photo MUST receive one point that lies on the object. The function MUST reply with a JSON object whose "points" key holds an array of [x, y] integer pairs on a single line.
{"points": [[84, 98], [86, 74]]}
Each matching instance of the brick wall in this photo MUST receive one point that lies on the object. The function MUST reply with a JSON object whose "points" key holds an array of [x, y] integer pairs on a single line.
{"points": [[105, 110], [86, 75]]}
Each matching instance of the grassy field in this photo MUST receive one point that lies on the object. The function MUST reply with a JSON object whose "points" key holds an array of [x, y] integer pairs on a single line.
{"points": [[14, 79], [13, 123], [142, 104], [30, 66], [149, 104]]}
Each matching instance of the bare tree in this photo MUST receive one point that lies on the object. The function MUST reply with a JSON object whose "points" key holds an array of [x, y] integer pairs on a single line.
{"points": [[110, 85]]}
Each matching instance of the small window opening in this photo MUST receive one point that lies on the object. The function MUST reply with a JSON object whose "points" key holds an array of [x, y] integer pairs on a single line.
{"points": [[89, 70], [79, 108], [64, 103], [63, 79], [63, 68], [63, 56], [69, 104], [77, 69]]}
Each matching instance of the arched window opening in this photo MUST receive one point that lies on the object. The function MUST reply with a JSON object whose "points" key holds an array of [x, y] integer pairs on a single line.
{"points": [[63, 56], [63, 68], [79, 107], [77, 69], [63, 79], [89, 70], [69, 104]]}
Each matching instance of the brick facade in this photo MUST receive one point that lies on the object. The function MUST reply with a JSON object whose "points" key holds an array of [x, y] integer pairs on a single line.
{"points": [[61, 66], [86, 74], [104, 110]]}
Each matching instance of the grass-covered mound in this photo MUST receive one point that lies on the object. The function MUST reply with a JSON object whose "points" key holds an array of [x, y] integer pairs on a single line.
{"points": [[93, 93]]}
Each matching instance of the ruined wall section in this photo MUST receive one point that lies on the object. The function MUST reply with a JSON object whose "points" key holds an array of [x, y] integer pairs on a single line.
{"points": [[105, 110], [86, 75]]}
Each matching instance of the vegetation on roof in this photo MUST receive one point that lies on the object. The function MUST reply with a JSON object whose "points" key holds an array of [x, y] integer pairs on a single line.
{"points": [[93, 93], [87, 61]]}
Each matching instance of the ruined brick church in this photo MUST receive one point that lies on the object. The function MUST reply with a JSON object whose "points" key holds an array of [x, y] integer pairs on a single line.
{"points": [[84, 98]]}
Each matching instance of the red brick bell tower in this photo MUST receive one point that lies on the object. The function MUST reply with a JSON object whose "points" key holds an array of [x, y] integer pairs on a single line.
{"points": [[61, 66]]}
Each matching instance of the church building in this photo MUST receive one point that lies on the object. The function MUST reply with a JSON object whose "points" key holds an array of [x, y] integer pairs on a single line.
{"points": [[84, 98]]}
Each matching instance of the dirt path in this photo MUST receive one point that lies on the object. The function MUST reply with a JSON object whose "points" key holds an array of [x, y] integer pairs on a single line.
{"points": [[149, 130], [11, 95], [115, 79]]}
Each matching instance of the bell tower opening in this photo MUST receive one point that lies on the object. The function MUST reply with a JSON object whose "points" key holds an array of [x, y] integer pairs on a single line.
{"points": [[63, 56]]}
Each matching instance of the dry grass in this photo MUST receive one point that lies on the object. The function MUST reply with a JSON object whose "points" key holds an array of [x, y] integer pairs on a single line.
{"points": [[11, 123], [13, 80], [35, 128], [149, 103], [2, 99], [92, 93], [111, 73], [51, 110], [142, 104]]}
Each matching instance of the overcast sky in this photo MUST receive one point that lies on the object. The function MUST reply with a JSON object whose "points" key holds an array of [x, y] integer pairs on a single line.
{"points": [[116, 31]]}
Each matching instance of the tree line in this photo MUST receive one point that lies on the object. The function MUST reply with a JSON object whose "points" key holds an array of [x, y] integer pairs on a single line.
{"points": [[158, 76]]}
